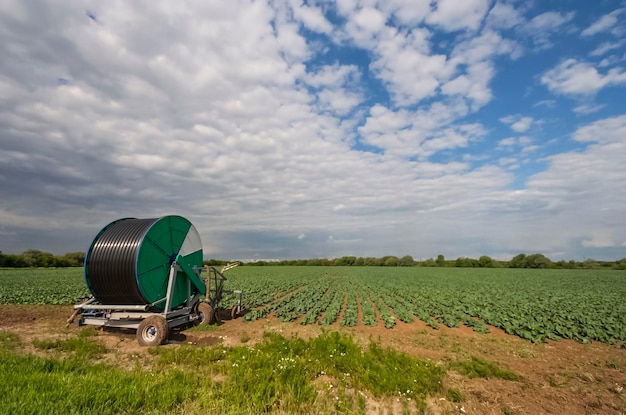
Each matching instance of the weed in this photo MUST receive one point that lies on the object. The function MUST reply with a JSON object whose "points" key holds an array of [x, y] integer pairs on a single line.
{"points": [[526, 353], [454, 395], [84, 345], [278, 375], [8, 340], [477, 367]]}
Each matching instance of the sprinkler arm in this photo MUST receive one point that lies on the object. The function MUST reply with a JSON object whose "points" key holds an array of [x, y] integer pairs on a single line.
{"points": [[193, 277]]}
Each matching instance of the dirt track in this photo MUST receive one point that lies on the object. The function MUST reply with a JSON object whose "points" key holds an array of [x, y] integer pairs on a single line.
{"points": [[562, 377]]}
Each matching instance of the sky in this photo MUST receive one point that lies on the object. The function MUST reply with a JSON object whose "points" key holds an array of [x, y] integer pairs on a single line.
{"points": [[302, 129]]}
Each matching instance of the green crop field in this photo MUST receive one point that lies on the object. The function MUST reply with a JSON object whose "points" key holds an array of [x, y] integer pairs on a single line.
{"points": [[42, 286], [583, 305]]}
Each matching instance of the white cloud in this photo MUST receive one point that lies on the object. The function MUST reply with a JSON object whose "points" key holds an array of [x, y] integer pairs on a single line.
{"points": [[587, 108], [606, 131], [580, 186], [332, 76], [406, 65], [522, 125], [453, 15], [518, 123], [418, 133], [408, 12], [601, 239], [364, 26], [223, 113], [311, 17], [504, 16], [529, 149], [507, 142], [542, 28], [338, 101], [524, 142], [571, 77], [603, 24], [606, 47], [548, 21]]}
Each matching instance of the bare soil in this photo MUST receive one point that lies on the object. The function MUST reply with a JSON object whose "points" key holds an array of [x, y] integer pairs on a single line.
{"points": [[557, 377]]}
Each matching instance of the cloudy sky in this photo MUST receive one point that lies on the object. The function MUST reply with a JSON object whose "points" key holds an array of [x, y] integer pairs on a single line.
{"points": [[300, 129]]}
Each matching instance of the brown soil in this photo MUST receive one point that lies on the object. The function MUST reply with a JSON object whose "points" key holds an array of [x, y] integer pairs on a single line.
{"points": [[558, 377]]}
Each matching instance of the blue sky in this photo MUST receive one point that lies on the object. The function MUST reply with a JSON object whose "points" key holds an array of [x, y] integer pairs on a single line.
{"points": [[299, 129]]}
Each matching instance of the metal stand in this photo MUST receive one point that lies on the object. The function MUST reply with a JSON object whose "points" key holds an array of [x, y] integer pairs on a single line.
{"points": [[153, 326], [215, 290]]}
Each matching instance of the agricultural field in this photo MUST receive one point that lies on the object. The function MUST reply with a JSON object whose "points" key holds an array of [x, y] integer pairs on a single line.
{"points": [[533, 304], [536, 305], [332, 340], [42, 285]]}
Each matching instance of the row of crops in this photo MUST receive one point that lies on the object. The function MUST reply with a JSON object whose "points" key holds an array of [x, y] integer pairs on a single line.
{"points": [[533, 304], [536, 305]]}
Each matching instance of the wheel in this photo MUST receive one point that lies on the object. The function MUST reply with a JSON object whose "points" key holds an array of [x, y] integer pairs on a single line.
{"points": [[206, 314], [152, 331], [233, 312]]}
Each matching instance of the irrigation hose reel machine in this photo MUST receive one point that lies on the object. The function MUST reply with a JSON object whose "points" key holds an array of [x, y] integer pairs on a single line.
{"points": [[146, 274]]}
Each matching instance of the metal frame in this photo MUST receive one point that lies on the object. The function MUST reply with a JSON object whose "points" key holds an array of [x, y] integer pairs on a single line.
{"points": [[216, 290], [130, 316]]}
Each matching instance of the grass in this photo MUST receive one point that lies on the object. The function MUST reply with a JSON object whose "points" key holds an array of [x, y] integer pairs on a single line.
{"points": [[454, 395], [84, 345], [282, 374], [74, 384], [477, 367], [327, 374], [8, 340], [526, 353]]}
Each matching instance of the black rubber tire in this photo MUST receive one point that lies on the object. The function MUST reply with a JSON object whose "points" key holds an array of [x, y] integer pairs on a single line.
{"points": [[206, 314], [233, 313], [152, 331]]}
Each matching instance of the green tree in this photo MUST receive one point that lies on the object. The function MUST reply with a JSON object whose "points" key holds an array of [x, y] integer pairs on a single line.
{"points": [[518, 261], [74, 259], [406, 261], [465, 262], [590, 264], [430, 263], [390, 261], [621, 264], [441, 261], [344, 261], [14, 261], [372, 262], [485, 262], [537, 261], [35, 258]]}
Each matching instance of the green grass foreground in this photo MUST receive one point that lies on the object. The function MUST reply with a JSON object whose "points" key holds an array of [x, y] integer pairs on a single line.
{"points": [[327, 374]]}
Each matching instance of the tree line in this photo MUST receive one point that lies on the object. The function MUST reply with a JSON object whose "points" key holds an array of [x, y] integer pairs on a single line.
{"points": [[34, 258], [522, 260]]}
